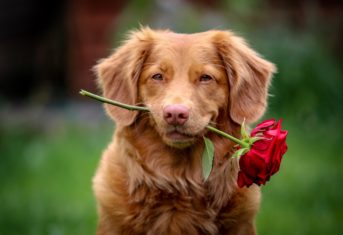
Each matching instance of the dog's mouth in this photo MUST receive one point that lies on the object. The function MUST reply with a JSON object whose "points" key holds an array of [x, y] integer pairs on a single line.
{"points": [[177, 135], [179, 138]]}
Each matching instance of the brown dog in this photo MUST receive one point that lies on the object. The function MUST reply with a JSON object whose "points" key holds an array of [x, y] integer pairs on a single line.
{"points": [[150, 177]]}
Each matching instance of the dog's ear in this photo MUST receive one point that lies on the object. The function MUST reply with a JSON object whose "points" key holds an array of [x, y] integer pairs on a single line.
{"points": [[249, 77], [118, 74]]}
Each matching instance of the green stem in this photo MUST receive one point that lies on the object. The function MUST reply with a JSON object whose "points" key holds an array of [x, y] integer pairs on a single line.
{"points": [[116, 103], [132, 107], [230, 137]]}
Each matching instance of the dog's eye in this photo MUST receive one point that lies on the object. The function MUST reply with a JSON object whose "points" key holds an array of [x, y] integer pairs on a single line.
{"points": [[205, 78], [157, 77]]}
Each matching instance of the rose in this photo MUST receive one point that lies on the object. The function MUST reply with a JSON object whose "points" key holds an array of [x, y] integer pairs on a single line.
{"points": [[265, 154]]}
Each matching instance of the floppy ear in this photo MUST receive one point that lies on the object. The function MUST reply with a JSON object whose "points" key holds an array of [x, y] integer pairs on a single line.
{"points": [[249, 77], [119, 73]]}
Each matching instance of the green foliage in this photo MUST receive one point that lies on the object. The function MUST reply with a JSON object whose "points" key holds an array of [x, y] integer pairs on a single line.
{"points": [[309, 81]]}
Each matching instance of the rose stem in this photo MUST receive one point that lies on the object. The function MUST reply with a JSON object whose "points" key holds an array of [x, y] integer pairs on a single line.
{"points": [[116, 103], [230, 137], [139, 108]]}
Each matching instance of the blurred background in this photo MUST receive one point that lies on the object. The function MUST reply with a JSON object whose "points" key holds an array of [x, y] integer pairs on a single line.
{"points": [[51, 138]]}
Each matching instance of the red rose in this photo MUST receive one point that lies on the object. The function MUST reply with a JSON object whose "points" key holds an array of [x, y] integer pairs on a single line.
{"points": [[264, 157]]}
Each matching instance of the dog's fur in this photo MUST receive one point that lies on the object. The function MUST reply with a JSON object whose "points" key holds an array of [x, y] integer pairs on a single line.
{"points": [[149, 182]]}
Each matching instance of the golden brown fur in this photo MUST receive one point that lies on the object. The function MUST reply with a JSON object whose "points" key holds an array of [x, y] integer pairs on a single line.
{"points": [[149, 182]]}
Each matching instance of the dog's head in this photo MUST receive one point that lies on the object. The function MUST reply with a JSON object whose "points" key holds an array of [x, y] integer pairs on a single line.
{"points": [[186, 80]]}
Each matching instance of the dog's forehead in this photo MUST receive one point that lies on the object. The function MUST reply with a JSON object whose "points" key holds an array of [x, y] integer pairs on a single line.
{"points": [[184, 47]]}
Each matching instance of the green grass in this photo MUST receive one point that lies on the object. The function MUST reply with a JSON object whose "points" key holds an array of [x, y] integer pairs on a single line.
{"points": [[45, 178]]}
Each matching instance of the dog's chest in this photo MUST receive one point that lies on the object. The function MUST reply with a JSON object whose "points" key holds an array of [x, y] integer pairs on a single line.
{"points": [[186, 211]]}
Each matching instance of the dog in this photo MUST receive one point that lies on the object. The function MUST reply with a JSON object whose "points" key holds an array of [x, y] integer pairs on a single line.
{"points": [[149, 180]]}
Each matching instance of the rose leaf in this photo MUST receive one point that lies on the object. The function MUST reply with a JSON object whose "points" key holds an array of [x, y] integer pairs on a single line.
{"points": [[207, 158]]}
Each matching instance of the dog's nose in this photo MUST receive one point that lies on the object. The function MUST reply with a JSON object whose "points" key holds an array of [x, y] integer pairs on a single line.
{"points": [[176, 114]]}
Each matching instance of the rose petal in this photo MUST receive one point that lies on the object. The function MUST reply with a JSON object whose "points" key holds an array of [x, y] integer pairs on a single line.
{"points": [[262, 126], [243, 180]]}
